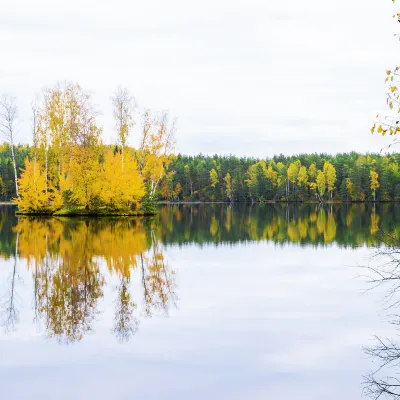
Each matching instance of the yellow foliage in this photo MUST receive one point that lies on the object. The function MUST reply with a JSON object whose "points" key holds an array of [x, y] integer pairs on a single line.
{"points": [[312, 171], [330, 176], [213, 178], [214, 226], [374, 181], [120, 183], [374, 228], [33, 196], [302, 178], [228, 186], [350, 189], [321, 183], [293, 171], [330, 229], [154, 169], [84, 172]]}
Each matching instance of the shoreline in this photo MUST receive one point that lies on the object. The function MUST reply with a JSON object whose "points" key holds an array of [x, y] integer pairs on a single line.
{"points": [[99, 214], [281, 202], [86, 214]]}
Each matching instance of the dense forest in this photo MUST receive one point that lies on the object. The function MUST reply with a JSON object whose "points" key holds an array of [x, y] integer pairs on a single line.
{"points": [[320, 177]]}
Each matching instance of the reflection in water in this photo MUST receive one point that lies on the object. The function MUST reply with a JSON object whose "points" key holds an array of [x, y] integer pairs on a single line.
{"points": [[347, 225], [64, 257], [10, 311], [384, 380], [72, 261], [125, 322]]}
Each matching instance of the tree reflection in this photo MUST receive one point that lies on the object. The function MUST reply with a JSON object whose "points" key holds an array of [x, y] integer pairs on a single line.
{"points": [[383, 381], [9, 310], [317, 224], [158, 280], [125, 322], [65, 257]]}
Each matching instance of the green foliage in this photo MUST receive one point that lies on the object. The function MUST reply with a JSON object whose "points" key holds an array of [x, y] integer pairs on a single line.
{"points": [[305, 177], [148, 204], [7, 181]]}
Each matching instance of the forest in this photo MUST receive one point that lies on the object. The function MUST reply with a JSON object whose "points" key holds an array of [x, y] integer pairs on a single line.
{"points": [[306, 177]]}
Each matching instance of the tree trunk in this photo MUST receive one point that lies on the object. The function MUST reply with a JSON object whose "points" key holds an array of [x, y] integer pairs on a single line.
{"points": [[46, 166], [15, 167]]}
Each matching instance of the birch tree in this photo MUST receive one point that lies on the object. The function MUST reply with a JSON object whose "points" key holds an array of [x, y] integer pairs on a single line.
{"points": [[124, 107], [8, 119], [156, 147]]}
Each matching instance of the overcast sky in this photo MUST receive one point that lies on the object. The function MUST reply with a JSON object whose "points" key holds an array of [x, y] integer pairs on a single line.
{"points": [[249, 77]]}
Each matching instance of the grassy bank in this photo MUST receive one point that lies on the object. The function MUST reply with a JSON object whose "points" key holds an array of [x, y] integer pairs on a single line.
{"points": [[81, 212]]}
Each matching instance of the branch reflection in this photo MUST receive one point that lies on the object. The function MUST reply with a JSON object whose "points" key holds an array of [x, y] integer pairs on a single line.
{"points": [[384, 381]]}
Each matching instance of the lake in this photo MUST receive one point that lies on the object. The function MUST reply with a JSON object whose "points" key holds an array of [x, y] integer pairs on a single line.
{"points": [[199, 302]]}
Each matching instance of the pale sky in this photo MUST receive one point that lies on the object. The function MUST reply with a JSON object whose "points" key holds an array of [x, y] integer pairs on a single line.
{"points": [[248, 77]]}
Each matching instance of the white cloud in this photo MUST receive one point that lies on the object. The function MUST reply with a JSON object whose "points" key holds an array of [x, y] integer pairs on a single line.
{"points": [[247, 77]]}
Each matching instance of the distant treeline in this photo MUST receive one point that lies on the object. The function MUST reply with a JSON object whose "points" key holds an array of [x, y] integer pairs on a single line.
{"points": [[347, 177], [321, 177]]}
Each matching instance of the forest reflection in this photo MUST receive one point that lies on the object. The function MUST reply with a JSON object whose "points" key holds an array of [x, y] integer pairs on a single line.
{"points": [[72, 261], [347, 224], [66, 259]]}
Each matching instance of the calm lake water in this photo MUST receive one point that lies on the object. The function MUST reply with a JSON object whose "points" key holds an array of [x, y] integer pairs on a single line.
{"points": [[199, 302]]}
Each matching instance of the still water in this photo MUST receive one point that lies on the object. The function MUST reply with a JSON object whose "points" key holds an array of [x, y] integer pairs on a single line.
{"points": [[199, 302]]}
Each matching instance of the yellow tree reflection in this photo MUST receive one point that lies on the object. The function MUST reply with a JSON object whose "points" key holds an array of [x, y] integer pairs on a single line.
{"points": [[66, 256], [158, 280]]}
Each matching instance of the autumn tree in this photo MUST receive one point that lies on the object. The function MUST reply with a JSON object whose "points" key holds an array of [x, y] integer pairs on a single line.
{"points": [[252, 182], [374, 177], [350, 189], [213, 178], [321, 184], [120, 185], [312, 171], [272, 174], [330, 177], [84, 168], [177, 191], [292, 173], [156, 147], [228, 186], [33, 194], [302, 177], [58, 125], [124, 107]]}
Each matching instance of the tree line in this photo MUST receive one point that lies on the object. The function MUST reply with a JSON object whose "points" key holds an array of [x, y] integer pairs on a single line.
{"points": [[319, 177], [306, 177]]}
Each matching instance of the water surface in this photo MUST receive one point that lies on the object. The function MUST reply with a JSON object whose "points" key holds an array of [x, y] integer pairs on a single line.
{"points": [[199, 302]]}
